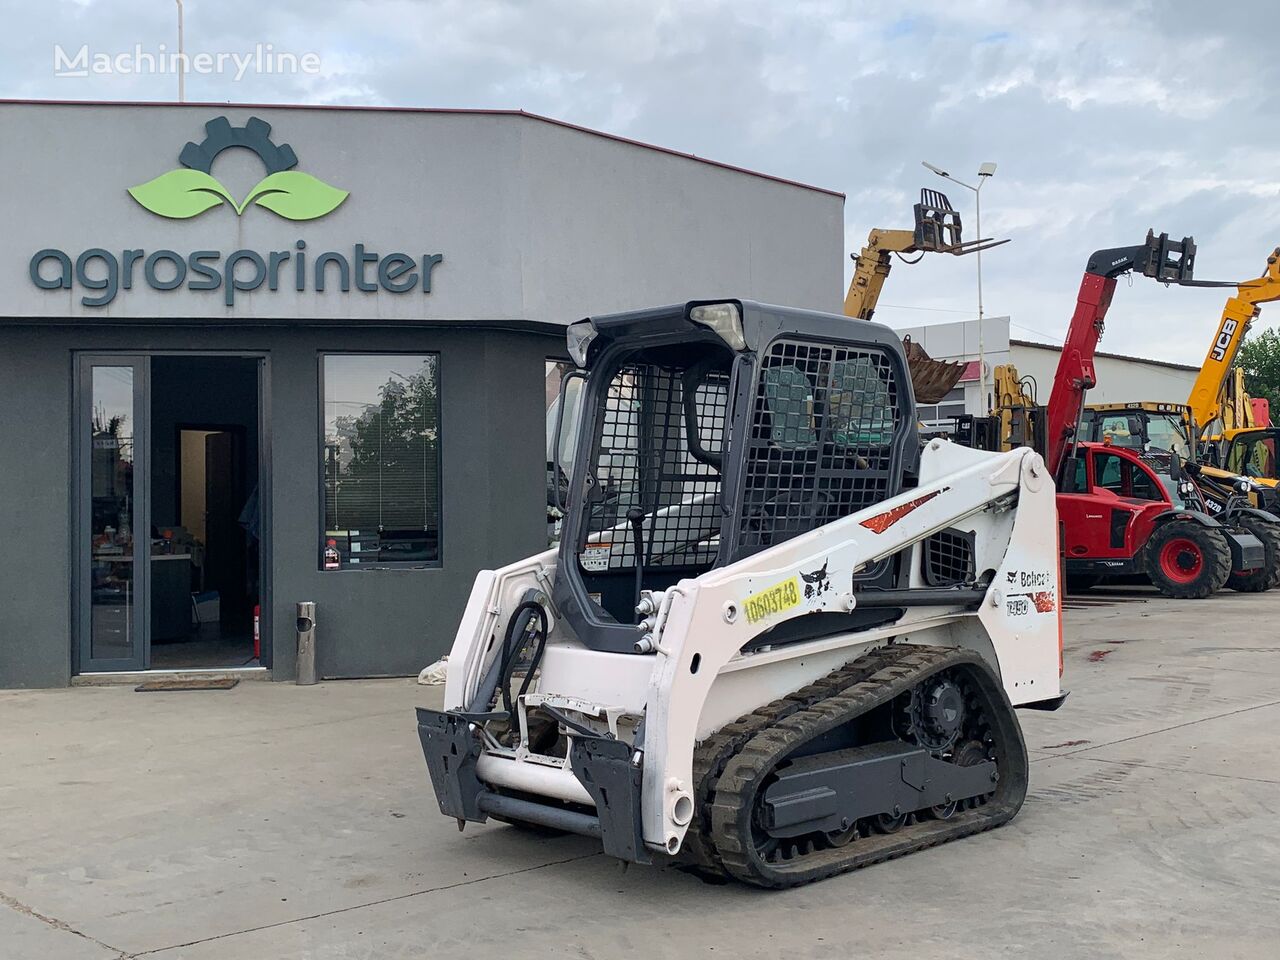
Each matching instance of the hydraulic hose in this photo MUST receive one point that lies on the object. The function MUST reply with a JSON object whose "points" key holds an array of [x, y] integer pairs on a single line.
{"points": [[510, 649]]}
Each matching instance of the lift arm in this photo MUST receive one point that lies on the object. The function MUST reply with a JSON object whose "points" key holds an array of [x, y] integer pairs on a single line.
{"points": [[1218, 393], [1160, 258], [871, 269], [937, 230]]}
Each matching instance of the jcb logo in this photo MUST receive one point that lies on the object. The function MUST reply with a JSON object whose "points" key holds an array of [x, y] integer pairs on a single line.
{"points": [[1220, 345]]}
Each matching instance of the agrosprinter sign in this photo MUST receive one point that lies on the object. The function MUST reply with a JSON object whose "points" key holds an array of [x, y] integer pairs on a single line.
{"points": [[190, 190]]}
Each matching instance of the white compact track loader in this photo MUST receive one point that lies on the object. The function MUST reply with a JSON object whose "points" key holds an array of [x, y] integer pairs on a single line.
{"points": [[778, 640]]}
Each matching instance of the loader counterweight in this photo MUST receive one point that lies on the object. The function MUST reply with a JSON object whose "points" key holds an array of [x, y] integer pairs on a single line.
{"points": [[762, 578]]}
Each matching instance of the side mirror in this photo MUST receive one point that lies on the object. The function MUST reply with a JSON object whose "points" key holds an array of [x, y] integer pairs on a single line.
{"points": [[561, 496]]}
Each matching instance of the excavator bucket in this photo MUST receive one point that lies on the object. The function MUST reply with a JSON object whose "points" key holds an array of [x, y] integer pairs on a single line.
{"points": [[931, 379]]}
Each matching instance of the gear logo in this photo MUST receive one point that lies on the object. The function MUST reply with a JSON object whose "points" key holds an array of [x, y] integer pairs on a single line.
{"points": [[192, 189]]}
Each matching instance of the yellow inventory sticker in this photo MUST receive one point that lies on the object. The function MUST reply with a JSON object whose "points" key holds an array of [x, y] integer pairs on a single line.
{"points": [[775, 599]]}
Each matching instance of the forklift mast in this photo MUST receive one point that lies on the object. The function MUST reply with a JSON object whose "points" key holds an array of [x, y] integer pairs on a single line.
{"points": [[1218, 399], [1162, 259]]}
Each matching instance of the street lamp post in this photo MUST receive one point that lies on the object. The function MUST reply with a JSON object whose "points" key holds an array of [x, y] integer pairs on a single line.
{"points": [[182, 67], [985, 172]]}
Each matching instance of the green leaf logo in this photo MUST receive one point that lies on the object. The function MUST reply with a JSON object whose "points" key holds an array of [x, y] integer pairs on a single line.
{"points": [[181, 194], [295, 195]]}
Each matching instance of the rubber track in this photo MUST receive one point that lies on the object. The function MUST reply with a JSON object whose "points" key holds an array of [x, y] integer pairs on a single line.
{"points": [[711, 755], [891, 673]]}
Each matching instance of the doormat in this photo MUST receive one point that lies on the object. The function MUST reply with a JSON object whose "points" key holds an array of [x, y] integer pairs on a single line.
{"points": [[187, 683]]}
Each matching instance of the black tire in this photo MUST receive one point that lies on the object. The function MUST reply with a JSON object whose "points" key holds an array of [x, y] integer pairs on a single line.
{"points": [[1268, 575], [1081, 583], [1187, 561]]}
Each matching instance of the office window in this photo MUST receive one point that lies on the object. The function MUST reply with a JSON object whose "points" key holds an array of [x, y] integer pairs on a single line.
{"points": [[381, 460], [942, 415]]}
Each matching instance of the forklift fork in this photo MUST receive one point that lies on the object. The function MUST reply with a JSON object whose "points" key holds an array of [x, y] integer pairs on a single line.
{"points": [[938, 227]]}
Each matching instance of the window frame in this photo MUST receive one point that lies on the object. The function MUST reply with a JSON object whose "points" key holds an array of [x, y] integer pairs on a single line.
{"points": [[1127, 478], [321, 525]]}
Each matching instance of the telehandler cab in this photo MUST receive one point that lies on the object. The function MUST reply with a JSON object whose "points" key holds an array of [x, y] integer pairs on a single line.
{"points": [[1167, 427], [779, 639]]}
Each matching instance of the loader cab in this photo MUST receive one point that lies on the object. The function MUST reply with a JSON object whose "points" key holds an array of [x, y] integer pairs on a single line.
{"points": [[1160, 427], [1252, 453], [711, 431]]}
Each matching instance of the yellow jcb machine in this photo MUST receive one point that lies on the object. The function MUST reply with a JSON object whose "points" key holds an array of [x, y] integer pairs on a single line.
{"points": [[937, 230], [1218, 401]]}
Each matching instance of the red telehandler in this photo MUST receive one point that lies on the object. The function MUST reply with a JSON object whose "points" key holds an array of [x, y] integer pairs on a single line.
{"points": [[1127, 512]]}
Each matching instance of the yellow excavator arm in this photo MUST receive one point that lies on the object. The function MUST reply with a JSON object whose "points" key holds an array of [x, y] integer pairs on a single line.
{"points": [[1218, 400], [871, 268]]}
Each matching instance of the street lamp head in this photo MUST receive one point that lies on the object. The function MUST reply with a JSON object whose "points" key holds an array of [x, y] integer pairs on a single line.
{"points": [[987, 169], [938, 170]]}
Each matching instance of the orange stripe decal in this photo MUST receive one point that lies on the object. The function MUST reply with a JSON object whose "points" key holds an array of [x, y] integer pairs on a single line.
{"points": [[883, 521]]}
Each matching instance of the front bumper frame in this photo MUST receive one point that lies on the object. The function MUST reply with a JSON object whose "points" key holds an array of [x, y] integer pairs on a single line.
{"points": [[610, 770]]}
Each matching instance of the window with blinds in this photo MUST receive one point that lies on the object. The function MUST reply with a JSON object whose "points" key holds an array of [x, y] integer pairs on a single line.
{"points": [[381, 460]]}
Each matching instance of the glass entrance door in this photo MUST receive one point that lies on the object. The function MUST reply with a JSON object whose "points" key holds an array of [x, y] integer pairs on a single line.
{"points": [[113, 543]]}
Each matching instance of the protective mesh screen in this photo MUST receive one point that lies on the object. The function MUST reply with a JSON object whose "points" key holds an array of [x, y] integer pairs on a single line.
{"points": [[948, 558], [644, 460], [821, 439]]}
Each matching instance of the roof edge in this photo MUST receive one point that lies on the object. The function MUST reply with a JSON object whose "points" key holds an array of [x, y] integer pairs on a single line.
{"points": [[479, 111], [1057, 348]]}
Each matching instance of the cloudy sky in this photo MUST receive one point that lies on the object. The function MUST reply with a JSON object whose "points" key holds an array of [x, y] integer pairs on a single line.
{"points": [[1105, 118]]}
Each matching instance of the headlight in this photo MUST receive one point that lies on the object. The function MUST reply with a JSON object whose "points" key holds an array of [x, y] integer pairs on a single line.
{"points": [[725, 319], [579, 337]]}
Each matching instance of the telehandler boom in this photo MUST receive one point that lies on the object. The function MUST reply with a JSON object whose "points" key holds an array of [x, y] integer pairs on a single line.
{"points": [[1218, 424], [1132, 512], [1218, 401]]}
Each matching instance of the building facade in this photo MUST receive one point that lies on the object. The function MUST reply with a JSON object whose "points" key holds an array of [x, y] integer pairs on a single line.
{"points": [[252, 356]]}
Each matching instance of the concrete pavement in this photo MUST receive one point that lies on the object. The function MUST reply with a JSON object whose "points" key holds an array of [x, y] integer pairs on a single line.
{"points": [[274, 821]]}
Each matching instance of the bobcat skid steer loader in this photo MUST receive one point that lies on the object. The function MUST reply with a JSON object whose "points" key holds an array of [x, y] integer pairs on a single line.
{"points": [[778, 639]]}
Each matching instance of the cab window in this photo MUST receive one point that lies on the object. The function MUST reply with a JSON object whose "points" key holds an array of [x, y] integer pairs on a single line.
{"points": [[1074, 479], [1166, 433], [1124, 431], [1124, 478], [1252, 457]]}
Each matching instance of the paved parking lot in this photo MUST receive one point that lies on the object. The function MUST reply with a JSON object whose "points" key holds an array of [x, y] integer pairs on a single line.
{"points": [[273, 821]]}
